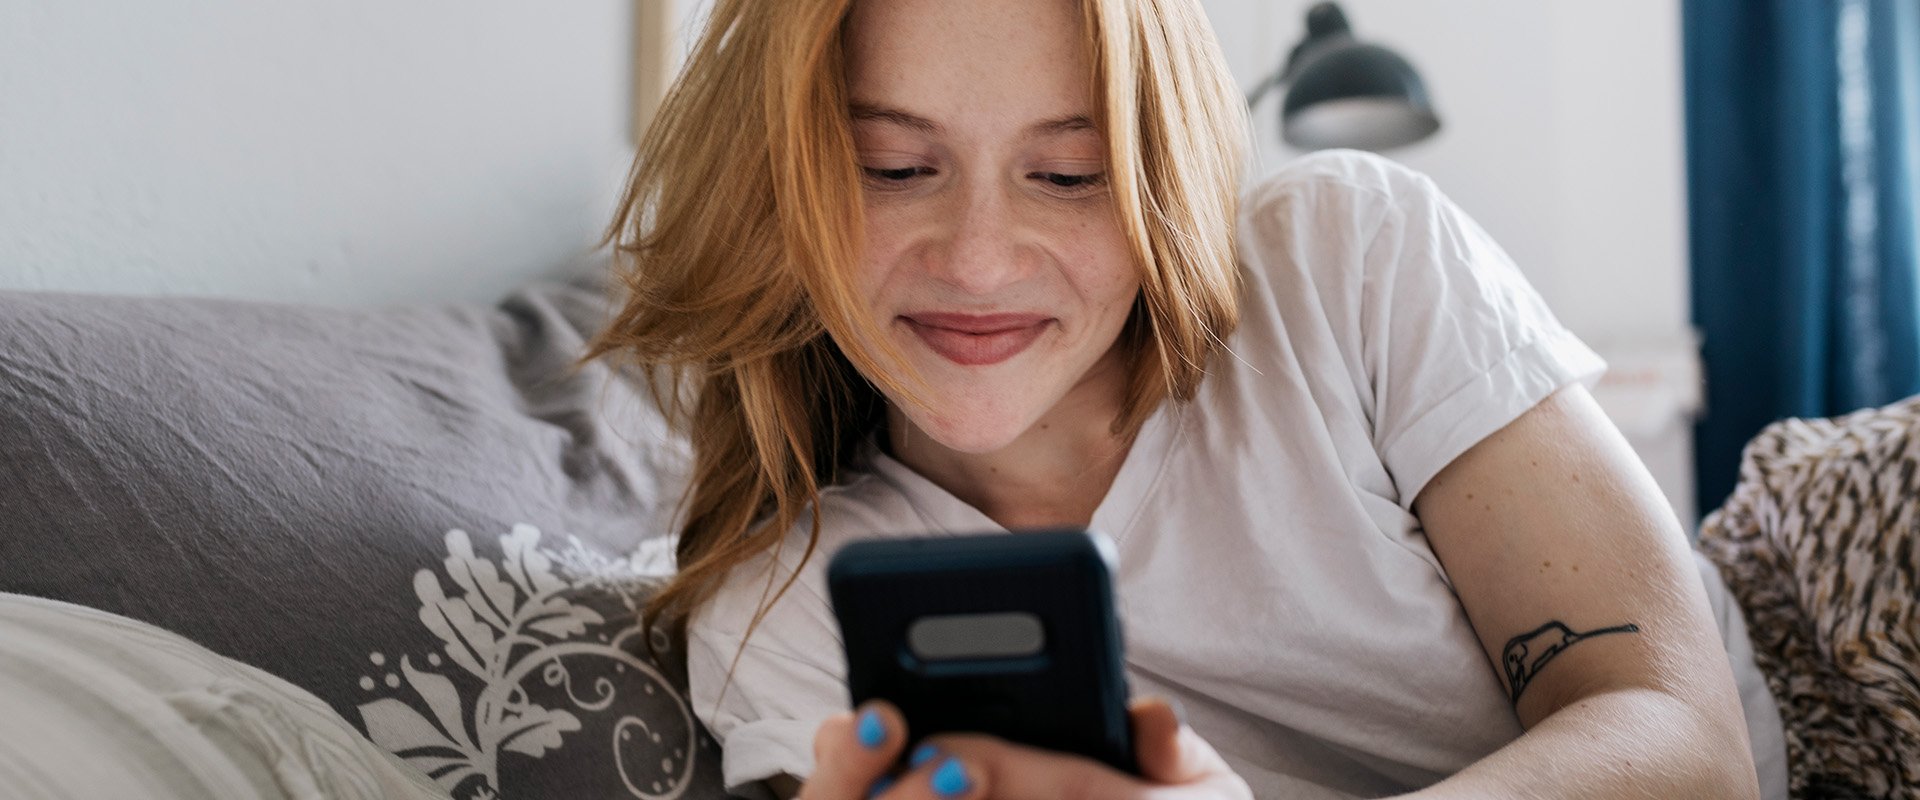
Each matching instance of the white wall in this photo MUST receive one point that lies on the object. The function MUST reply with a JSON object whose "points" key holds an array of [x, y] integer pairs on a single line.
{"points": [[332, 151], [1563, 135]]}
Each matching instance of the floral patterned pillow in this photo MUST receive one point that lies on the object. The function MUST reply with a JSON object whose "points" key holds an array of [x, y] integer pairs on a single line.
{"points": [[537, 654], [289, 486]]}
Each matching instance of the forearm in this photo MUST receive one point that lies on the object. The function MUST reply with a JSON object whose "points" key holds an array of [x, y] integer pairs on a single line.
{"points": [[1620, 744]]}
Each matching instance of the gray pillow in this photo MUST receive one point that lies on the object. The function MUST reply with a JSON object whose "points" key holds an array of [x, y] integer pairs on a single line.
{"points": [[424, 516]]}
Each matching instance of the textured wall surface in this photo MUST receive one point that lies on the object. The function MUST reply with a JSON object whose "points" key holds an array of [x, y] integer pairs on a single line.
{"points": [[332, 151]]}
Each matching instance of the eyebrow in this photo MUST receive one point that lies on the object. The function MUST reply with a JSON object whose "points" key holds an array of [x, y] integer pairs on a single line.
{"points": [[866, 112]]}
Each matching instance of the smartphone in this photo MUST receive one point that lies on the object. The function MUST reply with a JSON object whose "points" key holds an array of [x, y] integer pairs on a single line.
{"points": [[1012, 635]]}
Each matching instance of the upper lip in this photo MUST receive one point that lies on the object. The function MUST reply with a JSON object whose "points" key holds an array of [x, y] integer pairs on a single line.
{"points": [[977, 324]]}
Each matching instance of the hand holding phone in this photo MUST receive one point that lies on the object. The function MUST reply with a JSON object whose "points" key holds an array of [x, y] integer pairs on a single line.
{"points": [[857, 753], [1012, 635]]}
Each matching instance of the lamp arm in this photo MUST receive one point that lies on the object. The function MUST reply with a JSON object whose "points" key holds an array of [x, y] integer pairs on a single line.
{"points": [[1266, 84]]}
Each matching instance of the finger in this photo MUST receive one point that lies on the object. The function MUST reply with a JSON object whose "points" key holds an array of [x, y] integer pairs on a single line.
{"points": [[1156, 741], [972, 767], [853, 750], [1167, 747], [967, 767], [936, 774]]}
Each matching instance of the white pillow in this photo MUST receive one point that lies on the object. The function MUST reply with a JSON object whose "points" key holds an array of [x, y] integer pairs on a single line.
{"points": [[99, 705]]}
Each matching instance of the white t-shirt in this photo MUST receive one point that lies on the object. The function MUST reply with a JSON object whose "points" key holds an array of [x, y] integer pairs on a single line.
{"points": [[1271, 573]]}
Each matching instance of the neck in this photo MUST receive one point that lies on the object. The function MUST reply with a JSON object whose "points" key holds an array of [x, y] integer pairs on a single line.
{"points": [[1054, 475]]}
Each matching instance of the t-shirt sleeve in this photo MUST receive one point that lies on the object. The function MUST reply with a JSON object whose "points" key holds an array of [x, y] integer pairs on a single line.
{"points": [[786, 679], [1455, 342]]}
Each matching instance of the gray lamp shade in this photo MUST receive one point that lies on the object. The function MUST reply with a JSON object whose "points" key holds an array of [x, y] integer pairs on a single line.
{"points": [[1345, 93], [1357, 95]]}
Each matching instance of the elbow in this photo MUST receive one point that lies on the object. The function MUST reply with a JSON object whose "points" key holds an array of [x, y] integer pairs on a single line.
{"points": [[1706, 744], [1729, 771]]}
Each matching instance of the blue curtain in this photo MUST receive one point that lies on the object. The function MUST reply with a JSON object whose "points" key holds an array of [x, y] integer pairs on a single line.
{"points": [[1803, 140]]}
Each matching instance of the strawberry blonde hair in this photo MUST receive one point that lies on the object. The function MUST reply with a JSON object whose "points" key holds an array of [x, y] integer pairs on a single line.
{"points": [[740, 225]]}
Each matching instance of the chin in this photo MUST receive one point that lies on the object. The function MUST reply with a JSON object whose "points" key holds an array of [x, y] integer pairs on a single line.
{"points": [[972, 433]]}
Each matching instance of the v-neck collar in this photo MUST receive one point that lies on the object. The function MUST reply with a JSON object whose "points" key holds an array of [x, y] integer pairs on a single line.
{"points": [[1139, 472]]}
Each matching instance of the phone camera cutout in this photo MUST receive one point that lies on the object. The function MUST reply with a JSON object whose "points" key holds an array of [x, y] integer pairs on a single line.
{"points": [[973, 637]]}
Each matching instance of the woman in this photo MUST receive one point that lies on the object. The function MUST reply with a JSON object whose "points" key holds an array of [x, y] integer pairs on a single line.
{"points": [[926, 266]]}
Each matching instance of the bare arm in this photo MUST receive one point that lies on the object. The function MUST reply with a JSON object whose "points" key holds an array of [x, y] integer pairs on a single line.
{"points": [[1577, 579]]}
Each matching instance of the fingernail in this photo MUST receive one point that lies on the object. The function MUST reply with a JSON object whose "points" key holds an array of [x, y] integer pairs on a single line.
{"points": [[1179, 711], [872, 730], [923, 754], [879, 786], [950, 780]]}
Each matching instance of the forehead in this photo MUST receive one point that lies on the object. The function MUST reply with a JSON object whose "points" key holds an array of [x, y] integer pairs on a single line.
{"points": [[979, 61]]}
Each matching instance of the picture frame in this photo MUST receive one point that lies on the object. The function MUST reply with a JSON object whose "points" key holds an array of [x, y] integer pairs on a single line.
{"points": [[653, 61]]}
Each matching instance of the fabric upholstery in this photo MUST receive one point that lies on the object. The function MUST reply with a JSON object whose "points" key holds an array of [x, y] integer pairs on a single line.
{"points": [[1818, 543], [424, 516]]}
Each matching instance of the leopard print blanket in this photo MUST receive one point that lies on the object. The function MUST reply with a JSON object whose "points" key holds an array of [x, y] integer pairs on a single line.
{"points": [[1818, 543]]}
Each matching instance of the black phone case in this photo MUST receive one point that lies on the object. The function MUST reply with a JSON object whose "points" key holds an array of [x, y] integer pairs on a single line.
{"points": [[1071, 696]]}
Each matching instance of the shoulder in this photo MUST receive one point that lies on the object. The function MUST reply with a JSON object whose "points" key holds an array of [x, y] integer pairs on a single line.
{"points": [[852, 510], [1347, 218], [1307, 228], [1358, 177], [1322, 218]]}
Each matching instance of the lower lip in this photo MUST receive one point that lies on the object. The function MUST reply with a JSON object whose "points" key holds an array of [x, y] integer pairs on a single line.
{"points": [[977, 349]]}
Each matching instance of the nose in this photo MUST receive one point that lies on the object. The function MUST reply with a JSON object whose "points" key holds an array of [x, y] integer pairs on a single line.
{"points": [[981, 253]]}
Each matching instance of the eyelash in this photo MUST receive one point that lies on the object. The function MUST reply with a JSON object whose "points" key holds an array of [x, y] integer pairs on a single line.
{"points": [[895, 175], [1087, 181], [892, 178]]}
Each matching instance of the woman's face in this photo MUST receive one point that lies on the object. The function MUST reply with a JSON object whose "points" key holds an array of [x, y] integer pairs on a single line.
{"points": [[992, 258]]}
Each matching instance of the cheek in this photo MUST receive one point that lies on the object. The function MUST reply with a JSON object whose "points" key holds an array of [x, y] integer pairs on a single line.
{"points": [[1105, 275], [886, 240]]}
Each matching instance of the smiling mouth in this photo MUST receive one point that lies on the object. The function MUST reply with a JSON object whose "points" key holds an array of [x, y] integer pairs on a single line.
{"points": [[972, 340]]}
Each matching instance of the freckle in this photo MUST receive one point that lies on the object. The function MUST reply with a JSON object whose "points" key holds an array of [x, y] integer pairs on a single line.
{"points": [[1545, 564], [1489, 506], [1576, 568], [1469, 495], [1576, 477]]}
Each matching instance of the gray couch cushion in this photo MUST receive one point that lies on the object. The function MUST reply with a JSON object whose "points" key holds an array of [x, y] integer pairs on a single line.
{"points": [[424, 516]]}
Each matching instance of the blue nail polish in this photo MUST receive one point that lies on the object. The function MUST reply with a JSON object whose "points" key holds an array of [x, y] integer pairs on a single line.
{"points": [[879, 786], [922, 755], [950, 780], [872, 731]]}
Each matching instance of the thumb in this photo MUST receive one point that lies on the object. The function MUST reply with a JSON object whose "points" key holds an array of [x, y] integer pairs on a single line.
{"points": [[1160, 742]]}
